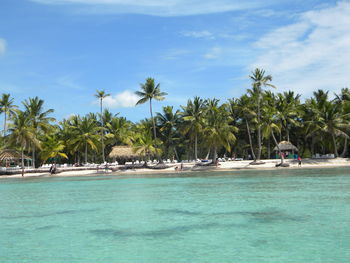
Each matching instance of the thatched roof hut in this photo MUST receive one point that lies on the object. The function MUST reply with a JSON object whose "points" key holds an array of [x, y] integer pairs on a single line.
{"points": [[124, 152], [286, 146], [11, 155]]}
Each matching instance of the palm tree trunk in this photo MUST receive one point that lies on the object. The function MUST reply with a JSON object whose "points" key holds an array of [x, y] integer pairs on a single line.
{"points": [[214, 155], [287, 133], [5, 117], [335, 146], [85, 152], [250, 140], [153, 122], [259, 131], [176, 155], [102, 126], [22, 162], [195, 146], [279, 150], [345, 149], [33, 156]]}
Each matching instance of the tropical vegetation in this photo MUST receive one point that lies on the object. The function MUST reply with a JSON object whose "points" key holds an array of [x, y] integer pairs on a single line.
{"points": [[249, 126]]}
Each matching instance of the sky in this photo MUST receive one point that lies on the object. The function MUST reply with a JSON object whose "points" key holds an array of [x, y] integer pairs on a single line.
{"points": [[64, 50]]}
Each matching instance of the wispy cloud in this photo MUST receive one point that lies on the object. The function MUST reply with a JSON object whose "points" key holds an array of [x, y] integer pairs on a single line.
{"points": [[213, 53], [313, 53], [198, 34], [125, 99], [2, 46], [68, 82], [158, 7], [175, 54]]}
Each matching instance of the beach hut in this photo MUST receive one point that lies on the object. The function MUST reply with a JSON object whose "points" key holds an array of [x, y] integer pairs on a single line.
{"points": [[125, 153], [287, 148], [10, 157]]}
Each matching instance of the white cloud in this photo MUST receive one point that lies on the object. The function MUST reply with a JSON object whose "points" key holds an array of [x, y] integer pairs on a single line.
{"points": [[198, 34], [2, 46], [125, 99], [313, 53], [159, 7], [175, 54], [213, 53]]}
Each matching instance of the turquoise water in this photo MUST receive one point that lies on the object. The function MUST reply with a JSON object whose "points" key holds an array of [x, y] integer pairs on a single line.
{"points": [[247, 216]]}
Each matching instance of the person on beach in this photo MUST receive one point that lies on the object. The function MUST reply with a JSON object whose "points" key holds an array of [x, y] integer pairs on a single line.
{"points": [[299, 161], [53, 169]]}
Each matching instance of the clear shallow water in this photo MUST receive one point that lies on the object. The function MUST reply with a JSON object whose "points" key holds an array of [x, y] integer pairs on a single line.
{"points": [[248, 216]]}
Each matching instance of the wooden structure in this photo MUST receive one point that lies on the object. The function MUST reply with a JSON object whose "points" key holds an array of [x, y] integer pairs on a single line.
{"points": [[125, 153], [10, 157]]}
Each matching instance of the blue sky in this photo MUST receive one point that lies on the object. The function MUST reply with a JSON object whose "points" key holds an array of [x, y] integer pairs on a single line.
{"points": [[63, 50]]}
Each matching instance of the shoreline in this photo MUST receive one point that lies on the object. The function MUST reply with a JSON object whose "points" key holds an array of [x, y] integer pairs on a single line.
{"points": [[190, 167]]}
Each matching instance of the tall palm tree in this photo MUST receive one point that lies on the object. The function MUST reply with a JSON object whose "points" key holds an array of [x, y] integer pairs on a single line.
{"points": [[218, 132], [150, 91], [38, 118], [243, 107], [101, 94], [192, 115], [271, 125], [22, 133], [259, 80], [7, 107]]}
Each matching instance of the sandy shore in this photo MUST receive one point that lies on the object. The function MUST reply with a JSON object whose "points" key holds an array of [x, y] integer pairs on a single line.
{"points": [[188, 167]]}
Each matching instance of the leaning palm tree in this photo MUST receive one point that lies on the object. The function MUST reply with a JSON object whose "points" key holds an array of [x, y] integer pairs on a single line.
{"points": [[8, 108], [150, 91], [38, 118], [271, 124], [259, 80], [243, 107], [22, 133], [101, 94]]}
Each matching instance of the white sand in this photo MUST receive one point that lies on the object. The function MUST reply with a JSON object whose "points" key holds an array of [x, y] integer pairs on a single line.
{"points": [[223, 166]]}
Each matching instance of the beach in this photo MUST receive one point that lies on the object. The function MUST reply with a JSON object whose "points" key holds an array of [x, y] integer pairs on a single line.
{"points": [[268, 164]]}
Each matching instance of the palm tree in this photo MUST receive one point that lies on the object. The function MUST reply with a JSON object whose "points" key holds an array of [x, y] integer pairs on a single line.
{"points": [[119, 131], [259, 80], [168, 122], [22, 133], [288, 110], [7, 107], [272, 124], [144, 144], [101, 94], [38, 118], [242, 107], [85, 131], [52, 147], [192, 115], [150, 91], [218, 132], [329, 118]]}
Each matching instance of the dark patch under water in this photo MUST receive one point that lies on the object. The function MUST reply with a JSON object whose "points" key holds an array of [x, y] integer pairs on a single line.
{"points": [[63, 212], [264, 216]]}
